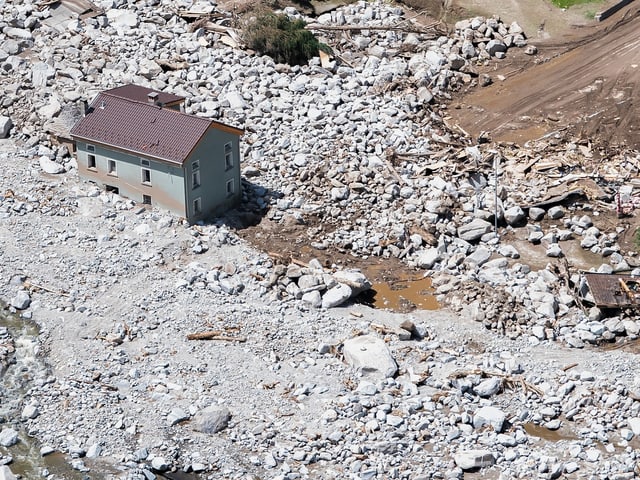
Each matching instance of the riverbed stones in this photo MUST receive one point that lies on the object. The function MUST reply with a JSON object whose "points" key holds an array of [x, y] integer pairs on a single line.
{"points": [[370, 355]]}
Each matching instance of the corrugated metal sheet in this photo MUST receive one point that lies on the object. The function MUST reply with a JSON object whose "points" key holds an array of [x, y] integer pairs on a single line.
{"points": [[609, 291]]}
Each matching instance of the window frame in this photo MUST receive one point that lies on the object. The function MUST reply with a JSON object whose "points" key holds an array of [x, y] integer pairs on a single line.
{"points": [[230, 191], [112, 168], [91, 162], [145, 198], [195, 180], [145, 162], [144, 180], [228, 156], [197, 205], [91, 148]]}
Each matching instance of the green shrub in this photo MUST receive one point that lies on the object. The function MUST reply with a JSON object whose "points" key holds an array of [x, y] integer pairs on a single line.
{"points": [[283, 39]]}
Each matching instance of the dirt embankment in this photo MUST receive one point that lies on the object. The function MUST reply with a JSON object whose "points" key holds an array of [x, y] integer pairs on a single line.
{"points": [[587, 85]]}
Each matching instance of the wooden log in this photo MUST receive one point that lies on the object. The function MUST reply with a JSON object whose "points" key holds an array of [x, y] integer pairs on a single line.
{"points": [[215, 335]]}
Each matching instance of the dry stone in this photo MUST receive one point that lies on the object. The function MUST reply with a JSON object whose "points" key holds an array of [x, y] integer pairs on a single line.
{"points": [[370, 355]]}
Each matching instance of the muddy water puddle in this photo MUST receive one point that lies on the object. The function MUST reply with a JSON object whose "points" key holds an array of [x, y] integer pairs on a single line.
{"points": [[399, 291], [548, 435]]}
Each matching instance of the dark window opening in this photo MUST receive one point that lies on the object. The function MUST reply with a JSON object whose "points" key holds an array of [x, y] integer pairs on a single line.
{"points": [[146, 199], [91, 161], [146, 175], [112, 189]]}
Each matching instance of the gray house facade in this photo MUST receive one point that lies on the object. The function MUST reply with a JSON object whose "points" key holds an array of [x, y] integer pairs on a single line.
{"points": [[137, 142]]}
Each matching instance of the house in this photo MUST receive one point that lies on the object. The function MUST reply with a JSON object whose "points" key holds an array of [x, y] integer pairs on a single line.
{"points": [[137, 142]]}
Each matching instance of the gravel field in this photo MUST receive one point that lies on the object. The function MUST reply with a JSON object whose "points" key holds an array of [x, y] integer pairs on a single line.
{"points": [[294, 380]]}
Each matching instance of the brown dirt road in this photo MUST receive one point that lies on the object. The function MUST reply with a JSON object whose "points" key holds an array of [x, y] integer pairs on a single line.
{"points": [[589, 85]]}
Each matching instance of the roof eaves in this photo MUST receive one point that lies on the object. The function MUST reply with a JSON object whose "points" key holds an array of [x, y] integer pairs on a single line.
{"points": [[128, 150]]}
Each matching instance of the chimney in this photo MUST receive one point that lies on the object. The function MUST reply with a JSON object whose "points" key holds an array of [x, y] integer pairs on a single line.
{"points": [[84, 107], [152, 98]]}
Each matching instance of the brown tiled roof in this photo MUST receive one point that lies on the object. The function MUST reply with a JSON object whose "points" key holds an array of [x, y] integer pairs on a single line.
{"points": [[140, 94], [143, 128]]}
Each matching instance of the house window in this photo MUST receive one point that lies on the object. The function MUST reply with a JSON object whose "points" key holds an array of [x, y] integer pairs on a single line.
{"points": [[197, 205], [91, 148], [195, 175], [228, 156], [91, 162], [112, 168], [146, 199], [144, 162], [230, 187], [146, 176]]}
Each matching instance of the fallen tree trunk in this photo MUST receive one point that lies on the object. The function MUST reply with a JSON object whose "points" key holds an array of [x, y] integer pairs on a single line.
{"points": [[215, 335]]}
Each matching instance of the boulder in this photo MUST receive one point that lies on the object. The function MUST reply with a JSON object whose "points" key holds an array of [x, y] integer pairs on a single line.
{"points": [[8, 437], [312, 298], [471, 459], [496, 46], [473, 230], [428, 258], [5, 126], [122, 18], [555, 213], [49, 166], [212, 419], [514, 216], [489, 416], [6, 473], [479, 257], [488, 387], [370, 355], [336, 295], [354, 279]]}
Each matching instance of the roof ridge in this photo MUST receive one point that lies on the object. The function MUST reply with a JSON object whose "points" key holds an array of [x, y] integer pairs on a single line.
{"points": [[152, 105]]}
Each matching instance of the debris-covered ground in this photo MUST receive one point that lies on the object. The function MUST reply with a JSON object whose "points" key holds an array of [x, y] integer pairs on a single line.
{"points": [[187, 348]]}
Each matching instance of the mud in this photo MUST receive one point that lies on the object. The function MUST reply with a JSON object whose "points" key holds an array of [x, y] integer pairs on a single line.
{"points": [[587, 86]]}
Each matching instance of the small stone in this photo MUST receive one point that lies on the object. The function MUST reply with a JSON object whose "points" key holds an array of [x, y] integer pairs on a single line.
{"points": [[176, 416], [21, 301]]}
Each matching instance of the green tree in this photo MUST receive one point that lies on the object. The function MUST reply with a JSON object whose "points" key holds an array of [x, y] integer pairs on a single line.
{"points": [[283, 39]]}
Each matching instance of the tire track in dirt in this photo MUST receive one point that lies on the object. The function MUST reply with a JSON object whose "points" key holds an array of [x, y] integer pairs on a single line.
{"points": [[591, 88]]}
